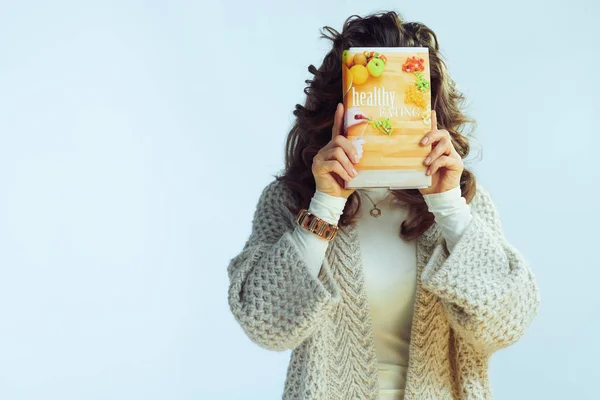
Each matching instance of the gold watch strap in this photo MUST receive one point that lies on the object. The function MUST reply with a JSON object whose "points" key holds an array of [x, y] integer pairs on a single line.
{"points": [[316, 225]]}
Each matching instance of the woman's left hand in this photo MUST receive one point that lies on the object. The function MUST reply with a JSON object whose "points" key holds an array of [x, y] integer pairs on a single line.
{"points": [[445, 164]]}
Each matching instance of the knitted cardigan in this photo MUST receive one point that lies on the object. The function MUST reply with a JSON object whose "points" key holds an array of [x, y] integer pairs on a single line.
{"points": [[470, 303]]}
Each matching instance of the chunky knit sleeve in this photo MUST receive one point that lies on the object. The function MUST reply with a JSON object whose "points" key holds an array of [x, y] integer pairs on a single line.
{"points": [[486, 286], [272, 294]]}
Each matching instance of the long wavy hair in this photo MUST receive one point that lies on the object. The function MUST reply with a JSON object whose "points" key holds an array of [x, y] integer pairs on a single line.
{"points": [[314, 120]]}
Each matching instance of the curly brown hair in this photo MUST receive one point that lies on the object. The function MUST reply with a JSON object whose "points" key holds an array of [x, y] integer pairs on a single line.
{"points": [[314, 120]]}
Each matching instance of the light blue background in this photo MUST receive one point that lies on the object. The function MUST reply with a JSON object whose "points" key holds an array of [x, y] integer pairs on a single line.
{"points": [[135, 138]]}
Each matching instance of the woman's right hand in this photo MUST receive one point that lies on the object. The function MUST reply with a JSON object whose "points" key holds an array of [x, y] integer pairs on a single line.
{"points": [[334, 163]]}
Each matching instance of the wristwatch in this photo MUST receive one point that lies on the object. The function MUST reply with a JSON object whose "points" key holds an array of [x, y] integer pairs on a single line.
{"points": [[316, 225]]}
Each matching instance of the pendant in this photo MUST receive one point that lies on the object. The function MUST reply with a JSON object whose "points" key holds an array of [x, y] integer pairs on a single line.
{"points": [[375, 212]]}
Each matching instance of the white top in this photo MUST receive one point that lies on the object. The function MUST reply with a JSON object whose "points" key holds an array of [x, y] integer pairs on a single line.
{"points": [[389, 264]]}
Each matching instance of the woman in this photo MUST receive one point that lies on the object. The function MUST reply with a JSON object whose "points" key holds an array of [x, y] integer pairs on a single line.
{"points": [[407, 305]]}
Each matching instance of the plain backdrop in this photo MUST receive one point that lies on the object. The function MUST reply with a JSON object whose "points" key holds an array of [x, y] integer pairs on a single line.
{"points": [[136, 137]]}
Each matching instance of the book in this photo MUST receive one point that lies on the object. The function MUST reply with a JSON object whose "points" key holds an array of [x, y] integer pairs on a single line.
{"points": [[387, 103]]}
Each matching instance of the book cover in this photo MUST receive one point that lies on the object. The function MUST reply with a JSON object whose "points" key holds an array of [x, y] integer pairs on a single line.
{"points": [[387, 103]]}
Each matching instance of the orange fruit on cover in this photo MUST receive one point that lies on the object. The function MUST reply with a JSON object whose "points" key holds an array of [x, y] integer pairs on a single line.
{"points": [[360, 59], [360, 74]]}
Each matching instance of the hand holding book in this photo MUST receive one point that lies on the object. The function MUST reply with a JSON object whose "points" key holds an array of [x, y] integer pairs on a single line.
{"points": [[334, 163], [445, 164]]}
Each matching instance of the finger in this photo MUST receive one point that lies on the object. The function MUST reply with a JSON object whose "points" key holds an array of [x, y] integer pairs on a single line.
{"points": [[434, 136], [337, 120], [343, 142], [444, 162], [336, 167], [336, 130], [338, 153], [443, 147]]}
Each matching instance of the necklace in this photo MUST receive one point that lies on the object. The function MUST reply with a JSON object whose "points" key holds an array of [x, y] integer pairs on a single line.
{"points": [[376, 211]]}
